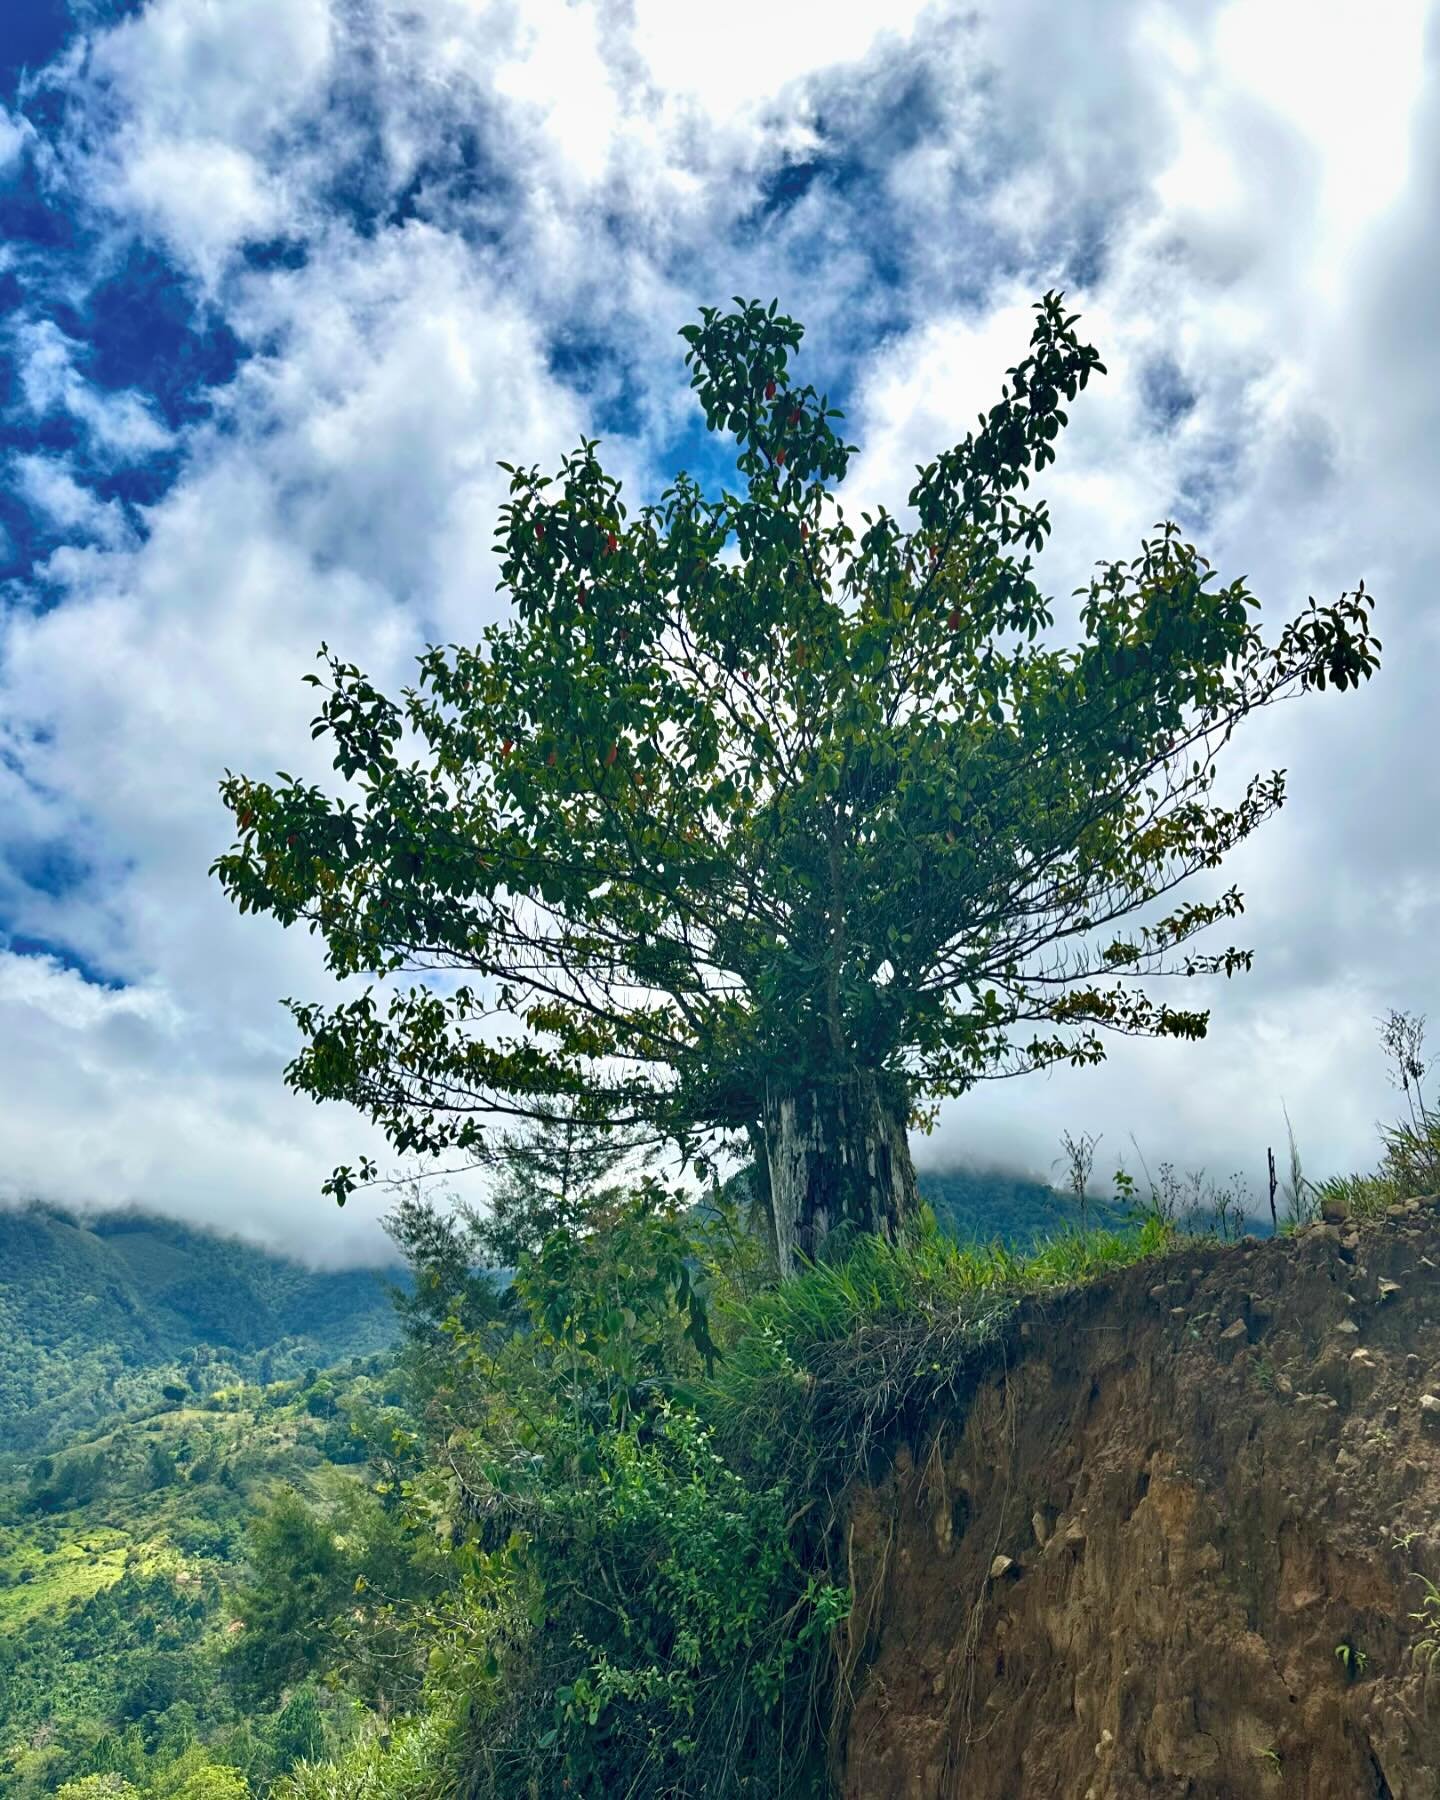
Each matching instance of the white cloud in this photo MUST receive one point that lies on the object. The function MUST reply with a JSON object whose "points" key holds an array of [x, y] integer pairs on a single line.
{"points": [[47, 483], [560, 71], [199, 100], [350, 496], [742, 61], [15, 133], [404, 376], [202, 198], [121, 422], [146, 1112], [181, 67]]}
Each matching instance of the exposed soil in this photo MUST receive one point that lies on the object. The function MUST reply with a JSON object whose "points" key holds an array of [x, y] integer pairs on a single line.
{"points": [[1127, 1568]]}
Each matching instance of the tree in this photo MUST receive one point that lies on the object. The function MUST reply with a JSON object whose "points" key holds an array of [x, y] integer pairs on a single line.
{"points": [[552, 1176], [298, 1733], [789, 844], [194, 1777], [442, 1249], [301, 1584]]}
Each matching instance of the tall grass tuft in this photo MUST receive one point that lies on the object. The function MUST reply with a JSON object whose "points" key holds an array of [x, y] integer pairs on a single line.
{"points": [[1410, 1163], [823, 1368]]}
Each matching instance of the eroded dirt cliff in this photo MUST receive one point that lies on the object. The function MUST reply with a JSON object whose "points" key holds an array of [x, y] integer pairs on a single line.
{"points": [[1127, 1568]]}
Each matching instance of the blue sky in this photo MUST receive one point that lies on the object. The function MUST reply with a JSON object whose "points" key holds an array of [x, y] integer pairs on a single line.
{"points": [[281, 282]]}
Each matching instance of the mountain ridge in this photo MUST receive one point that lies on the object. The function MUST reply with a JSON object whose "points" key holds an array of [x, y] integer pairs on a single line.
{"points": [[99, 1314]]}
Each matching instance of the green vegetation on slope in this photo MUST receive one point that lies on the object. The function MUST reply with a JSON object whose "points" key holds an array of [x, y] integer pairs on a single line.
{"points": [[981, 1206], [643, 1474], [120, 1558], [98, 1316]]}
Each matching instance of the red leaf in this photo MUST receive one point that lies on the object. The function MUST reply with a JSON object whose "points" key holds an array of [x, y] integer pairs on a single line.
{"points": [[769, 390], [611, 754], [954, 619], [612, 543], [779, 456]]}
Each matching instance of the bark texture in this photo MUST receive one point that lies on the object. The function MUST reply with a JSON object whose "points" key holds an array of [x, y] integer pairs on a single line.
{"points": [[837, 1154]]}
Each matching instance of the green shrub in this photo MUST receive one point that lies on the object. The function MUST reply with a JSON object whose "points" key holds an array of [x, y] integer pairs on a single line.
{"points": [[415, 1762]]}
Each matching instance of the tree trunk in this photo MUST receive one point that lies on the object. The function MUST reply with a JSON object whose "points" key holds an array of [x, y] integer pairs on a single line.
{"points": [[837, 1154], [762, 1204]]}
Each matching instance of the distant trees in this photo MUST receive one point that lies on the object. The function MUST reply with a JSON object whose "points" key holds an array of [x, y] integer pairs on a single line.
{"points": [[327, 1594], [58, 1483]]}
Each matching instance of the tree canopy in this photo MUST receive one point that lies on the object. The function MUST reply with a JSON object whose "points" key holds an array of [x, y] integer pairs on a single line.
{"points": [[745, 802]]}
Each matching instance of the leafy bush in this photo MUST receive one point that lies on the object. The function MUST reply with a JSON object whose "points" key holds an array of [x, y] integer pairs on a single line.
{"points": [[681, 1631], [412, 1763]]}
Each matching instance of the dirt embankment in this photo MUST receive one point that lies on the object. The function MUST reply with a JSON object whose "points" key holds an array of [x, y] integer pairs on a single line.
{"points": [[1127, 1570]]}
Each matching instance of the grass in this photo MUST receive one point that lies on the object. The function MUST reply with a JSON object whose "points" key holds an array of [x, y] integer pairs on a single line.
{"points": [[925, 1274], [824, 1367], [1353, 1661], [1427, 1646], [45, 1584]]}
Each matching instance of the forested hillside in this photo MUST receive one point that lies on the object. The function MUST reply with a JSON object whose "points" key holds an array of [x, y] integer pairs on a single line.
{"points": [[100, 1315], [985, 1204], [120, 1559]]}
